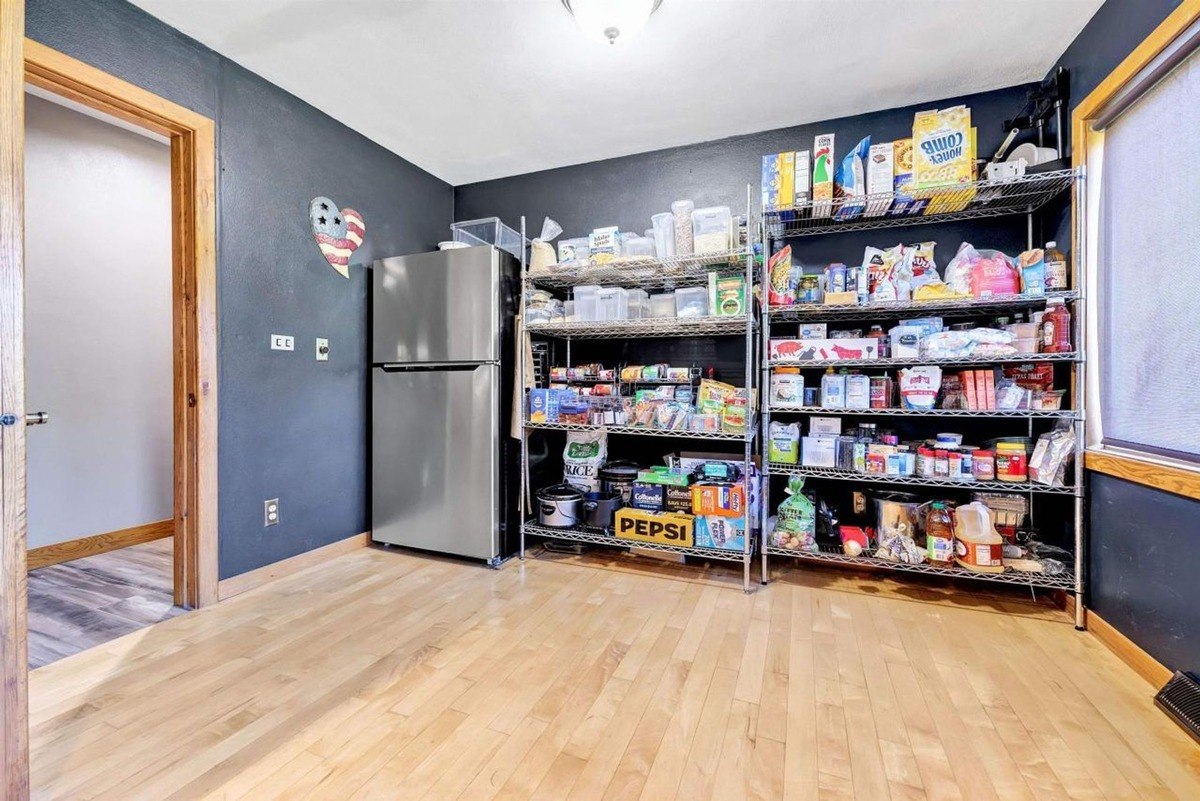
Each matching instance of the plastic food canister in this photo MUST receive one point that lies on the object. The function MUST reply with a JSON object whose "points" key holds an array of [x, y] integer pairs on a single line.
{"points": [[1011, 463], [664, 234], [681, 211]]}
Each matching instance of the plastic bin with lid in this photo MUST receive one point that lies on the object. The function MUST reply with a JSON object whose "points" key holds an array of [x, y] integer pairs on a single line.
{"points": [[637, 247], [612, 303], [662, 305], [691, 302], [570, 250], [585, 303], [639, 304], [487, 231], [712, 229]]}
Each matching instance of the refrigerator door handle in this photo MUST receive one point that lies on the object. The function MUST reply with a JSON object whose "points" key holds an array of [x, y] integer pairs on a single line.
{"points": [[432, 366]]}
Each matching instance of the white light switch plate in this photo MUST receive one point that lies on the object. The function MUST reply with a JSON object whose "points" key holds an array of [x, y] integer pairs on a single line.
{"points": [[322, 349], [282, 342]]}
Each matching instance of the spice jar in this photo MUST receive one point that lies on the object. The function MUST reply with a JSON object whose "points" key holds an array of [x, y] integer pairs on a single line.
{"points": [[1011, 463]]}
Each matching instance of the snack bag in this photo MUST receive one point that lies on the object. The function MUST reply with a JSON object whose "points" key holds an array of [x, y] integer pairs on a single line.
{"points": [[919, 386], [994, 274], [881, 269], [1032, 264], [924, 270], [796, 521], [779, 275], [850, 182], [958, 271]]}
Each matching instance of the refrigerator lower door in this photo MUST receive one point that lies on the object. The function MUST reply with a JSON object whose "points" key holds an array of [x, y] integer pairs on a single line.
{"points": [[435, 459]]}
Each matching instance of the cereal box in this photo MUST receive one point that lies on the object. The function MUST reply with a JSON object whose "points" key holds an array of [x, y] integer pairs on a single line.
{"points": [[905, 202], [881, 173], [778, 174], [822, 175], [941, 148], [803, 178]]}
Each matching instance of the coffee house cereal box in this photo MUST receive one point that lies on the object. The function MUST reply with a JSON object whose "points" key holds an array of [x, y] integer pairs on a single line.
{"points": [[943, 158]]}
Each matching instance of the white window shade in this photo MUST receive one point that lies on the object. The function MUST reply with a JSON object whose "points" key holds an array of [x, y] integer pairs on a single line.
{"points": [[1149, 270]]}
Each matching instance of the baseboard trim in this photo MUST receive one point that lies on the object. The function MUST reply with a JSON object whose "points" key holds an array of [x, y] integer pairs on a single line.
{"points": [[237, 585], [1128, 651], [98, 543]]}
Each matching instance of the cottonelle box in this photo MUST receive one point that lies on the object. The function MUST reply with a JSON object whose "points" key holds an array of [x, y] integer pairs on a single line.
{"points": [[661, 528]]}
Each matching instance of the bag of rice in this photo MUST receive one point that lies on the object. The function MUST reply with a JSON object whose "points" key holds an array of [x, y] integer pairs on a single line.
{"points": [[582, 459]]}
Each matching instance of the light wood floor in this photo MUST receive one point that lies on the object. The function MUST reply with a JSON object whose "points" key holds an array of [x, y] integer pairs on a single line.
{"points": [[387, 675], [85, 602]]}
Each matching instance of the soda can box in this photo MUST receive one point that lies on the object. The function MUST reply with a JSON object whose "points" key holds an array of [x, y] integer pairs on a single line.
{"points": [[725, 533], [646, 496], [659, 528]]}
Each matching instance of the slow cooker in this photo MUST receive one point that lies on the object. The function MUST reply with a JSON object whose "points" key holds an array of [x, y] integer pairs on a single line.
{"points": [[559, 506]]}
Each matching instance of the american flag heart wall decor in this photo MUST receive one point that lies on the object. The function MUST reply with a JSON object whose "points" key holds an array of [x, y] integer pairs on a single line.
{"points": [[338, 232]]}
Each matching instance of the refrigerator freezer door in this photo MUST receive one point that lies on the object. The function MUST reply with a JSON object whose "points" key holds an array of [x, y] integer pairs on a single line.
{"points": [[437, 307], [435, 459]]}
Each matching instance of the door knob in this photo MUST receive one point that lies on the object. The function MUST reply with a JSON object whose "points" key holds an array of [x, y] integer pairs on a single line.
{"points": [[37, 418]]}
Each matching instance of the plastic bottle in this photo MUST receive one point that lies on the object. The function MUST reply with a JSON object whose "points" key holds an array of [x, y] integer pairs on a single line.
{"points": [[1057, 273], [939, 534], [1056, 327]]}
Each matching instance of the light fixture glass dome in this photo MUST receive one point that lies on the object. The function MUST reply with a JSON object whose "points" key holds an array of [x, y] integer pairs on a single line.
{"points": [[610, 20]]}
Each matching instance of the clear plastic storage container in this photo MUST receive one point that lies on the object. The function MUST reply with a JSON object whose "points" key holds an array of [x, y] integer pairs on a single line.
{"points": [[487, 231], [681, 213], [638, 247], [712, 230], [639, 304], [662, 305], [572, 249], [585, 303], [664, 234], [612, 303], [691, 302]]}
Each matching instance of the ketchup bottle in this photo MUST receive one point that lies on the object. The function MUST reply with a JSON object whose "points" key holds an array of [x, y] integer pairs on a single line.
{"points": [[1056, 328]]}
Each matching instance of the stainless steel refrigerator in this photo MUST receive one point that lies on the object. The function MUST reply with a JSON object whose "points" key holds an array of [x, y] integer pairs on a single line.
{"points": [[442, 462]]}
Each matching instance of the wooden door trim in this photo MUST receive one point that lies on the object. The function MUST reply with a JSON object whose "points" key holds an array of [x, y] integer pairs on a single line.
{"points": [[14, 660], [194, 293]]}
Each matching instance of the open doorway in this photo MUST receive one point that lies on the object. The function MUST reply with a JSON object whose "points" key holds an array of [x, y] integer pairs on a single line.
{"points": [[98, 381]]}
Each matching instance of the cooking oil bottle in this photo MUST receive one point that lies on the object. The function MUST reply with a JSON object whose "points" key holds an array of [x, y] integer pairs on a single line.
{"points": [[939, 535]]}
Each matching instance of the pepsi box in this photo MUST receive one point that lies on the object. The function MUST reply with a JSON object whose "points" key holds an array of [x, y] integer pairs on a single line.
{"points": [[647, 497]]}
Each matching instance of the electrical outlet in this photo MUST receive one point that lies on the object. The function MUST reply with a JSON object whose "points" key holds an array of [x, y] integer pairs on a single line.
{"points": [[271, 512], [322, 349], [282, 342]]}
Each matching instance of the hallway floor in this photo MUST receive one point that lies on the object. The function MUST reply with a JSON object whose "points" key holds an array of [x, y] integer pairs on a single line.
{"points": [[383, 674], [80, 604]]}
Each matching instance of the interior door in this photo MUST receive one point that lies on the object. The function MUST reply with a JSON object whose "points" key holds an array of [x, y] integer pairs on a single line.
{"points": [[434, 459]]}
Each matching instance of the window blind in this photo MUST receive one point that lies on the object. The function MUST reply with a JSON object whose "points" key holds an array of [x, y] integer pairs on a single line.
{"points": [[1149, 270]]}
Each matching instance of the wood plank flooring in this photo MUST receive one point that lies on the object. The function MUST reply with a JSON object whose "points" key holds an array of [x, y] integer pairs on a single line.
{"points": [[388, 675], [80, 604]]}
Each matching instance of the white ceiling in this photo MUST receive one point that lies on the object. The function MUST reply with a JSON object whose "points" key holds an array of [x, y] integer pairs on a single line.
{"points": [[477, 89]]}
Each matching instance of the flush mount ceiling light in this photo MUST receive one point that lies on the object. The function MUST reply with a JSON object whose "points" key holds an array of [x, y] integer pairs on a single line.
{"points": [[606, 20]]}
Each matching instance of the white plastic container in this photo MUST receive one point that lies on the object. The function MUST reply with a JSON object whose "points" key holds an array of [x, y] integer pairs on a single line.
{"points": [[712, 230], [585, 303], [638, 247], [662, 305], [691, 302], [612, 303], [664, 234], [681, 212], [639, 304]]}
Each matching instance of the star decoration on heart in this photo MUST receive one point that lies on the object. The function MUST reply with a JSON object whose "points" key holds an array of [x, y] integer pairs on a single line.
{"points": [[337, 239]]}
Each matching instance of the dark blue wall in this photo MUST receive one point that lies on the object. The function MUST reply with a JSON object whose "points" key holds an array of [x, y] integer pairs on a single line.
{"points": [[1144, 562], [290, 427]]}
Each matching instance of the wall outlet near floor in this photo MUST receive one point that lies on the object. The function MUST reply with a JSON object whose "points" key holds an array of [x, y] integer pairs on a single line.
{"points": [[322, 349], [271, 512], [282, 342]]}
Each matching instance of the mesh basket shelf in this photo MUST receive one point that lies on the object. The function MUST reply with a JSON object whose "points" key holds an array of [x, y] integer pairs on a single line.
{"points": [[950, 307], [917, 481], [598, 536], [661, 327], [646, 273]]}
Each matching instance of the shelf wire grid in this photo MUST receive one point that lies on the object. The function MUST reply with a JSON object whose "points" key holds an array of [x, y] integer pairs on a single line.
{"points": [[751, 431], [831, 554], [968, 201], [779, 468], [1019, 414], [597, 536], [643, 273], [1016, 358], [957, 307], [659, 327]]}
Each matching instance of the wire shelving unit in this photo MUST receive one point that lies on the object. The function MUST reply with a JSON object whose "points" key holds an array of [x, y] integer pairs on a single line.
{"points": [[662, 274], [981, 199]]}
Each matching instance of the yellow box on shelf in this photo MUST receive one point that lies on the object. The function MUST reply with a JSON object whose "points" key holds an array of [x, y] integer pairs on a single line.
{"points": [[660, 528]]}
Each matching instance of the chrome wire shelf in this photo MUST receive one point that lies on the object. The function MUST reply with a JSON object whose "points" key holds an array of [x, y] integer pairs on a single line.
{"points": [[1058, 581], [1016, 413], [962, 202], [661, 327], [956, 307], [1016, 358], [644, 273], [779, 468], [748, 434], [596, 536]]}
